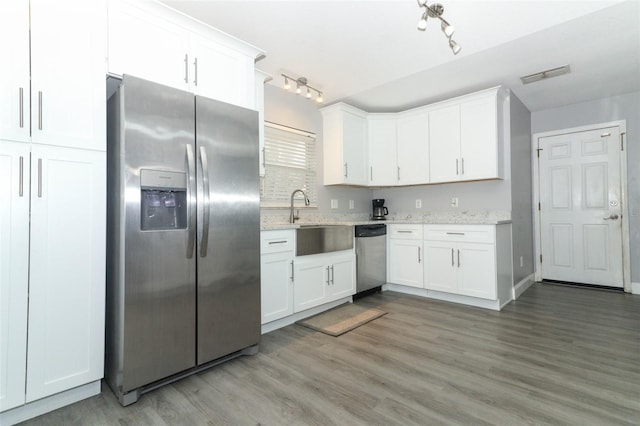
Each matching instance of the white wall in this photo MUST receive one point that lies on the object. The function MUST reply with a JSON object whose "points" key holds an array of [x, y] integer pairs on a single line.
{"points": [[621, 107], [288, 109]]}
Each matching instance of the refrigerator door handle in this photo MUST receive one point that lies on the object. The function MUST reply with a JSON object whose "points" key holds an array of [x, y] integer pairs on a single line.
{"points": [[207, 208], [191, 228]]}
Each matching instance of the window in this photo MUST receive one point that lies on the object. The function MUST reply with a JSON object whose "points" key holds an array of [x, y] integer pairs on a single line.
{"points": [[289, 164]]}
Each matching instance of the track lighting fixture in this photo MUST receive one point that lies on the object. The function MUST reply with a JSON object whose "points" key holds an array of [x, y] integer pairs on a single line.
{"points": [[301, 83], [436, 11]]}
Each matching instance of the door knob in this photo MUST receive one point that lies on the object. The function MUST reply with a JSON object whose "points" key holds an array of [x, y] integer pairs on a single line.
{"points": [[613, 216]]}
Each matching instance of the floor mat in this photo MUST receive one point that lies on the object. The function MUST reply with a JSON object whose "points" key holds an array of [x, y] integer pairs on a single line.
{"points": [[341, 319]]}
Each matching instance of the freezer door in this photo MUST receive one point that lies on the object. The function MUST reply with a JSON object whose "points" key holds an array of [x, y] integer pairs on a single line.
{"points": [[228, 247], [158, 166]]}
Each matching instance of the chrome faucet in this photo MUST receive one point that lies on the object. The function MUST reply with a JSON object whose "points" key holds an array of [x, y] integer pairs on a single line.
{"points": [[292, 218]]}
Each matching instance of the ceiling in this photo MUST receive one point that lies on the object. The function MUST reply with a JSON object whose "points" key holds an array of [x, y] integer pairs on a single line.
{"points": [[370, 54]]}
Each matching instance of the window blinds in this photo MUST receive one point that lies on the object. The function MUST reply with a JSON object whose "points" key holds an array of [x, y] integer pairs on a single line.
{"points": [[290, 164]]}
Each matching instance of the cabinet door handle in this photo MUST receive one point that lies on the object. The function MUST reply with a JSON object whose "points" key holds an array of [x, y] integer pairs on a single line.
{"points": [[186, 68], [458, 258], [40, 110], [371, 172], [400, 231], [327, 275], [346, 170], [39, 177], [21, 177], [457, 167], [398, 172], [419, 257], [452, 261], [462, 165], [277, 242], [292, 271], [264, 157], [21, 103], [333, 275], [195, 71], [455, 233]]}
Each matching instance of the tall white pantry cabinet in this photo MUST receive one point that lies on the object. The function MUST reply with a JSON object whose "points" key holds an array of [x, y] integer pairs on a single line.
{"points": [[52, 204]]}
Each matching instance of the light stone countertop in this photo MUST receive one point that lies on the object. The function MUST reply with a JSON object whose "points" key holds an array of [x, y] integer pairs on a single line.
{"points": [[275, 222]]}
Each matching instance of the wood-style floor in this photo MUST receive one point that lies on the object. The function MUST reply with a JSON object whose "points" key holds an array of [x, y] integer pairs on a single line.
{"points": [[558, 355]]}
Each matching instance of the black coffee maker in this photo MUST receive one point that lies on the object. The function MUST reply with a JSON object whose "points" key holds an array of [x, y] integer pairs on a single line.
{"points": [[379, 210]]}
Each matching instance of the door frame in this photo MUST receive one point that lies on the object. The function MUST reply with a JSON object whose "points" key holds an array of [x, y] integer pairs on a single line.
{"points": [[624, 196]]}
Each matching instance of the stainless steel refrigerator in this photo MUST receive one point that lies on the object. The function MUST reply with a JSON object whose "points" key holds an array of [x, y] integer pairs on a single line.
{"points": [[183, 264]]}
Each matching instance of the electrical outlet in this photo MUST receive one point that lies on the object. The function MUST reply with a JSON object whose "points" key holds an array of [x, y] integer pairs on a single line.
{"points": [[418, 204], [454, 201], [521, 262], [334, 204], [352, 205]]}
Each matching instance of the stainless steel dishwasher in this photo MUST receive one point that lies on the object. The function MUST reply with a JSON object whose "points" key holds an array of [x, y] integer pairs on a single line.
{"points": [[371, 257]]}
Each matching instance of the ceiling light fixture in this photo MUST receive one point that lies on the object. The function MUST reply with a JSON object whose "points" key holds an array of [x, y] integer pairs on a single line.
{"points": [[436, 11], [553, 72], [301, 83]]}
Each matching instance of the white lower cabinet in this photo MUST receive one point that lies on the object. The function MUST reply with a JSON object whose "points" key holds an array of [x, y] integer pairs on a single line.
{"points": [[405, 255], [52, 311], [461, 259], [276, 264], [405, 261], [466, 269], [323, 278], [468, 264], [14, 271]]}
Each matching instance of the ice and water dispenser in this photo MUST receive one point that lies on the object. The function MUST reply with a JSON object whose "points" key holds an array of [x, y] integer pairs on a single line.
{"points": [[163, 203]]}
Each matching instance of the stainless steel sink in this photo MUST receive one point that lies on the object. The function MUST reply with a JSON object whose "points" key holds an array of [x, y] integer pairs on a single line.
{"points": [[314, 239]]}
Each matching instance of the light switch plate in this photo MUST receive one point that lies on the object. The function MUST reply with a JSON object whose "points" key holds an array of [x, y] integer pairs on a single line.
{"points": [[352, 205], [418, 204], [454, 201], [334, 204]]}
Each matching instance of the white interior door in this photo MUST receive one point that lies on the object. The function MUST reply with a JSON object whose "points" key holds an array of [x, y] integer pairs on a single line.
{"points": [[580, 211]]}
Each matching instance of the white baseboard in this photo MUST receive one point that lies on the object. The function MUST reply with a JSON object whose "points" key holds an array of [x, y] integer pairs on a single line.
{"points": [[635, 288], [523, 285], [447, 297], [283, 322], [45, 405]]}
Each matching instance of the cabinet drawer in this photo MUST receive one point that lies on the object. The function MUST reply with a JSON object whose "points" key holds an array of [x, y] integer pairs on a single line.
{"points": [[460, 233], [407, 232], [277, 241]]}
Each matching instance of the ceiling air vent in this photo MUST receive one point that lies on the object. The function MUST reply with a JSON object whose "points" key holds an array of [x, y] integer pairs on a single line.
{"points": [[553, 72]]}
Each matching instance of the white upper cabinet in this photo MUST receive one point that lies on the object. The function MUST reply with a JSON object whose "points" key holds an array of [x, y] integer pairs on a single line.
{"points": [[456, 140], [14, 84], [413, 148], [147, 46], [61, 47], [154, 42], [464, 138], [67, 73], [479, 147], [261, 79], [221, 73], [345, 145], [444, 139], [382, 149]]}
